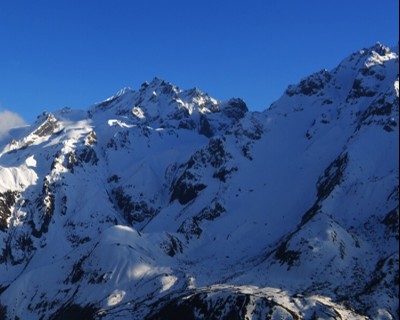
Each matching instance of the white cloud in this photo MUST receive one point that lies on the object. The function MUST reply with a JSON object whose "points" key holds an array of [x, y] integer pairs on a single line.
{"points": [[9, 120]]}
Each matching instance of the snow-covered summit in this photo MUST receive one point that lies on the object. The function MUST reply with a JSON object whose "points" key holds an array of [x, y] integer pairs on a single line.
{"points": [[160, 104], [161, 202], [352, 78]]}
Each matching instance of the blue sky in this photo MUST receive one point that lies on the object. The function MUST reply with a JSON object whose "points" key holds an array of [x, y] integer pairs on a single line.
{"points": [[75, 53]]}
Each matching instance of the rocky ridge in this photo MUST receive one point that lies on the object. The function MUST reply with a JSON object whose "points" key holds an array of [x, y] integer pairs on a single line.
{"points": [[166, 203]]}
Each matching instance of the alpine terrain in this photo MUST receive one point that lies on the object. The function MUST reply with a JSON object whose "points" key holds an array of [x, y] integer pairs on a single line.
{"points": [[162, 203]]}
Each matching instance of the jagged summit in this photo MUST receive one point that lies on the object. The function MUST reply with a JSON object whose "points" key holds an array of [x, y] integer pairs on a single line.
{"points": [[160, 104], [362, 75], [163, 203]]}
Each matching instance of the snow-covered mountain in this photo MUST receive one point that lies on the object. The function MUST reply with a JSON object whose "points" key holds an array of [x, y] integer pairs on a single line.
{"points": [[164, 203]]}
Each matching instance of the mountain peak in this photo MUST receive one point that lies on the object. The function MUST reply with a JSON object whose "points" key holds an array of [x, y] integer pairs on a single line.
{"points": [[160, 202], [156, 82], [123, 91], [161, 104], [380, 49]]}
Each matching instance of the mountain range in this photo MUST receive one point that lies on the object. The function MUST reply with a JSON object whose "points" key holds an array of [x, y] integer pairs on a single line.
{"points": [[163, 203]]}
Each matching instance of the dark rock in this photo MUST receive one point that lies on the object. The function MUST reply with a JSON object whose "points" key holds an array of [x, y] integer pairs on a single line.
{"points": [[311, 85], [76, 312], [88, 155], [45, 207], [185, 192], [114, 179], [380, 49], [187, 124], [133, 211], [186, 187], [217, 154], [191, 227], [327, 101], [3, 312], [332, 176], [48, 127], [217, 305], [382, 112], [180, 114], [205, 128], [172, 246], [235, 109], [223, 173], [391, 221], [77, 272], [91, 139], [7, 200], [290, 257], [380, 277], [358, 90], [253, 132]]}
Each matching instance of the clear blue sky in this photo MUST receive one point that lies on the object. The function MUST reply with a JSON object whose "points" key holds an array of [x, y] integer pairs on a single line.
{"points": [[74, 53]]}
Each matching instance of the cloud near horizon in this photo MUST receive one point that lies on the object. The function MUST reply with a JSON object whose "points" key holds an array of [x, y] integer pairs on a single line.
{"points": [[8, 121]]}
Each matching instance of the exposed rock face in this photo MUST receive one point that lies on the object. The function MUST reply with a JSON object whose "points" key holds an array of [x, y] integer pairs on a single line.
{"points": [[7, 201], [164, 203]]}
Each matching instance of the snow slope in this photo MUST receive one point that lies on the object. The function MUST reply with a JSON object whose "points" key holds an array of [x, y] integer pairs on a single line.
{"points": [[164, 203]]}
